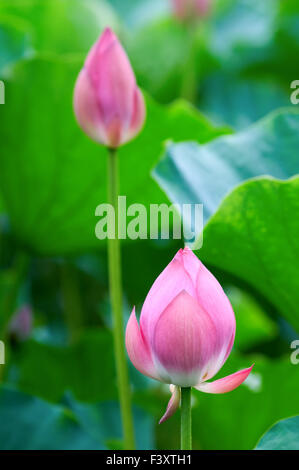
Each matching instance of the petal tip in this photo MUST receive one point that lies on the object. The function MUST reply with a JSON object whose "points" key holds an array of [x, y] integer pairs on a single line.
{"points": [[173, 403]]}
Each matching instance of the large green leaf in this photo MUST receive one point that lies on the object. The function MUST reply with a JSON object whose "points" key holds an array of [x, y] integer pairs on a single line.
{"points": [[28, 423], [239, 102], [60, 26], [53, 159], [192, 173], [50, 371], [102, 422], [282, 436], [253, 324], [254, 236]]}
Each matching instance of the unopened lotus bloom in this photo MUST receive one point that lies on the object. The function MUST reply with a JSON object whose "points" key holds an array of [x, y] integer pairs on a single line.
{"points": [[187, 330], [186, 9], [108, 104]]}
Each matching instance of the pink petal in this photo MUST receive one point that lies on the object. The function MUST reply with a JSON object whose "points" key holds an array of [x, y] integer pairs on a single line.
{"points": [[166, 287], [214, 301], [173, 403], [114, 81], [183, 341], [138, 116], [226, 384], [138, 350], [86, 109]]}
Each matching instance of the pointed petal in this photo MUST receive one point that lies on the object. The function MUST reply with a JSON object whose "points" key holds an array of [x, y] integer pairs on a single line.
{"points": [[214, 300], [138, 116], [87, 110], [113, 78], [173, 403], [183, 342], [226, 384], [138, 350]]}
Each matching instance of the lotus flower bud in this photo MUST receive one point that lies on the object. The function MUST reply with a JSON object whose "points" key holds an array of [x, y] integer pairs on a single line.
{"points": [[187, 330], [186, 9], [108, 104], [21, 323]]}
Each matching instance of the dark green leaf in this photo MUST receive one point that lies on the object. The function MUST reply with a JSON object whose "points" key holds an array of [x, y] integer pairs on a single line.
{"points": [[32, 424], [254, 236], [50, 371], [192, 173]]}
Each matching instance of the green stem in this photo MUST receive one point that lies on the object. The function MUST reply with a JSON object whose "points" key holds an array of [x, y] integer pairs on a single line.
{"points": [[115, 284], [186, 432]]}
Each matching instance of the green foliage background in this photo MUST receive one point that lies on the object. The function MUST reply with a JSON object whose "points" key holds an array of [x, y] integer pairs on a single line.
{"points": [[232, 144]]}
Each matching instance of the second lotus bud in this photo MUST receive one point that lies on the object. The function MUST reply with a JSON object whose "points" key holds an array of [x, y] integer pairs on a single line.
{"points": [[108, 104]]}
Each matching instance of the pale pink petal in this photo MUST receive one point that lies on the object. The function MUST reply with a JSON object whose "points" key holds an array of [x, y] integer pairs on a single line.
{"points": [[183, 341], [137, 349], [213, 299], [114, 81], [166, 287], [173, 403], [226, 384], [87, 110], [138, 116]]}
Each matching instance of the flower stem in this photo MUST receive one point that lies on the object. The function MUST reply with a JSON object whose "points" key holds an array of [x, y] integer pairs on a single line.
{"points": [[186, 434], [115, 284]]}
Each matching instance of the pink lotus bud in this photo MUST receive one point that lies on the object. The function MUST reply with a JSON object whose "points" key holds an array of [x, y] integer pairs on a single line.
{"points": [[187, 330], [21, 323], [108, 104], [186, 9]]}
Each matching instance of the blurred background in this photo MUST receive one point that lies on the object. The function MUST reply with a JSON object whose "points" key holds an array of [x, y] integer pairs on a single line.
{"points": [[219, 118]]}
